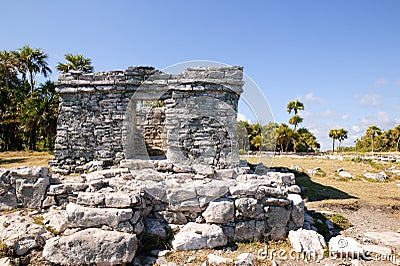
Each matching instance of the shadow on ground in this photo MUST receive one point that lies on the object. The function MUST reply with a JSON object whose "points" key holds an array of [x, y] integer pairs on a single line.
{"points": [[13, 160], [317, 192]]}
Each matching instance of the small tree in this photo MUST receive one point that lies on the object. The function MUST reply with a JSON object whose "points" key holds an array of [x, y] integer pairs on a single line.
{"points": [[75, 62], [373, 131]]}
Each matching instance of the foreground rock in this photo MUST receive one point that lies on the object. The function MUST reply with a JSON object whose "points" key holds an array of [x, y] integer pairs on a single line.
{"points": [[307, 241], [91, 246], [197, 236], [21, 234], [345, 247]]}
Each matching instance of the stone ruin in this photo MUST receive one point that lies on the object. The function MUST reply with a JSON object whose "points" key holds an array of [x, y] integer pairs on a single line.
{"points": [[119, 116], [168, 170]]}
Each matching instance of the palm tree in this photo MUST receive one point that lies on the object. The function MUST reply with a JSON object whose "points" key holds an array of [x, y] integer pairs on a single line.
{"points": [[295, 120], [75, 62], [341, 135], [284, 136], [333, 133], [295, 106], [31, 62], [396, 134], [373, 131]]}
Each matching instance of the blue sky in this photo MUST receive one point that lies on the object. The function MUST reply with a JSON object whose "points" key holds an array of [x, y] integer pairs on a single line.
{"points": [[341, 58]]}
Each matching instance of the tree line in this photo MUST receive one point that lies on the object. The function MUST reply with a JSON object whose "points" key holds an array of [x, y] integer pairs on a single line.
{"points": [[278, 137], [28, 109]]}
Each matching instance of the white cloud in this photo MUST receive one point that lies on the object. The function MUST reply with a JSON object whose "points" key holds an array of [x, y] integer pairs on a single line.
{"points": [[381, 82], [356, 129], [369, 99], [310, 97], [242, 117], [345, 117]]}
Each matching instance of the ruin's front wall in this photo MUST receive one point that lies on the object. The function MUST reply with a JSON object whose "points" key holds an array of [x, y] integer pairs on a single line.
{"points": [[99, 121]]}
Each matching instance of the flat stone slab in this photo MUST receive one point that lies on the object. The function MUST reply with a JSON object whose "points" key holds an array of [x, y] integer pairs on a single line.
{"points": [[387, 238], [79, 216], [91, 246]]}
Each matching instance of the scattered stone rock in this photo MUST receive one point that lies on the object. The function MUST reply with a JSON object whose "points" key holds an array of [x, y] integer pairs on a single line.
{"points": [[220, 211], [197, 236], [379, 177], [6, 262], [307, 241], [345, 174], [245, 259], [345, 247], [91, 246], [377, 249], [21, 233], [218, 260], [297, 213]]}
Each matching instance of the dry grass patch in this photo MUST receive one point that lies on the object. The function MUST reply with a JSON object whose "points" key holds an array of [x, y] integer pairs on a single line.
{"points": [[24, 158]]}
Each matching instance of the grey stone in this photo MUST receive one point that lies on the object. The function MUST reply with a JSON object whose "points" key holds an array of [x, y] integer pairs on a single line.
{"points": [[154, 228], [245, 259], [277, 216], [345, 174], [387, 238], [218, 260], [31, 191], [90, 198], [21, 233], [345, 247], [79, 216], [173, 217], [148, 174], [66, 188], [249, 230], [307, 241], [379, 177], [220, 211], [91, 246], [30, 172], [297, 213], [249, 207], [205, 170], [118, 200], [56, 219], [197, 236], [6, 261]]}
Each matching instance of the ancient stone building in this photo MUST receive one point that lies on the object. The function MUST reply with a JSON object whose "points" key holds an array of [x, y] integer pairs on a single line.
{"points": [[139, 113]]}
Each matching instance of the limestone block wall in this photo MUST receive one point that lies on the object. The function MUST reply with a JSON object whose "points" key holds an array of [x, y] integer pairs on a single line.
{"points": [[100, 120]]}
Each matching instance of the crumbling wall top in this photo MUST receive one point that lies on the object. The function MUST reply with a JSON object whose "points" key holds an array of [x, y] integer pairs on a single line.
{"points": [[220, 77]]}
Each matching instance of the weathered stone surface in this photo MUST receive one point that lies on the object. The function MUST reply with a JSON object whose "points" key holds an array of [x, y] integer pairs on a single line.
{"points": [[297, 214], [387, 238], [198, 236], [66, 188], [245, 259], [91, 246], [379, 177], [31, 191], [157, 190], [205, 170], [346, 247], [30, 172], [218, 260], [345, 174], [307, 241], [154, 228], [173, 217], [209, 191], [220, 211], [118, 200], [90, 198], [148, 174], [249, 207], [21, 233], [56, 219], [79, 216], [277, 216], [249, 230]]}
